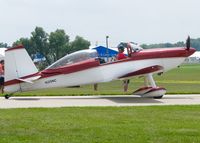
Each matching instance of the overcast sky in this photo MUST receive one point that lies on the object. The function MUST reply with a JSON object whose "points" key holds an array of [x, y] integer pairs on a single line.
{"points": [[142, 21]]}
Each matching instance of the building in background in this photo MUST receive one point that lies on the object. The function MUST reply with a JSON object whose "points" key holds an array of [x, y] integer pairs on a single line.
{"points": [[194, 58], [2, 53], [106, 53], [38, 58]]}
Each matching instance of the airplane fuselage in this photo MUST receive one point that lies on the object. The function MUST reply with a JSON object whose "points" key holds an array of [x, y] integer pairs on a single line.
{"points": [[91, 71]]}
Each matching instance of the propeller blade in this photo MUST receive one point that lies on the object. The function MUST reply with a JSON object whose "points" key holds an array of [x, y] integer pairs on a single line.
{"points": [[188, 43]]}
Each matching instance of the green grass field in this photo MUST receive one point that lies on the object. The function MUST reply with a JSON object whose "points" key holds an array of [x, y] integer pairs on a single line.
{"points": [[184, 80], [153, 124]]}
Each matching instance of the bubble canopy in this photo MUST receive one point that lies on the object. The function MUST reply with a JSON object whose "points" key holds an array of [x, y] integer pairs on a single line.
{"points": [[74, 58]]}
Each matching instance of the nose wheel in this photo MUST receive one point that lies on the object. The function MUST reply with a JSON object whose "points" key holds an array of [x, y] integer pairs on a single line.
{"points": [[150, 89]]}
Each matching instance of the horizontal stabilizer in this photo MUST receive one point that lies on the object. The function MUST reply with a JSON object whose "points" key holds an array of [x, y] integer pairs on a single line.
{"points": [[29, 80]]}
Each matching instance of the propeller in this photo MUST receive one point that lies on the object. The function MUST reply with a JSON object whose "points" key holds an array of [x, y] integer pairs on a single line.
{"points": [[188, 43]]}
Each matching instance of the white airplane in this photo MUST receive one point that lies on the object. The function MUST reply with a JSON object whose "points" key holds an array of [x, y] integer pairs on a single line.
{"points": [[84, 67]]}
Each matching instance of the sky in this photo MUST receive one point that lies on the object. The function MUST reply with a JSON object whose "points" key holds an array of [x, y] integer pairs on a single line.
{"points": [[140, 21]]}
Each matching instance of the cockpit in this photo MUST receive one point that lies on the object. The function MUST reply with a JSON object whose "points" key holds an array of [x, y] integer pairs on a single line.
{"points": [[74, 58], [84, 55], [130, 47]]}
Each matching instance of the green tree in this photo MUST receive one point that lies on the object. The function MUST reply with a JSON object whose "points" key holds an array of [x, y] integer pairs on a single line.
{"points": [[195, 43], [79, 44], [26, 42], [52, 46], [179, 44], [40, 43], [58, 44], [3, 45]]}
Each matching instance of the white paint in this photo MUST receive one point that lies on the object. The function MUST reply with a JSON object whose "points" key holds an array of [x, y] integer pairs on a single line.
{"points": [[156, 93], [18, 64], [151, 80]]}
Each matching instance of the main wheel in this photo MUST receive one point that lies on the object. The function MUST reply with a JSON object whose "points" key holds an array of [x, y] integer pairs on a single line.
{"points": [[158, 97]]}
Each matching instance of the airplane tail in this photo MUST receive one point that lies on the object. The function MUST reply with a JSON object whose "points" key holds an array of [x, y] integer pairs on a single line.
{"points": [[17, 64]]}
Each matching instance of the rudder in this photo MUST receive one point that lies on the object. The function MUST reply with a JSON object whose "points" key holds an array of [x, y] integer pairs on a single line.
{"points": [[17, 64]]}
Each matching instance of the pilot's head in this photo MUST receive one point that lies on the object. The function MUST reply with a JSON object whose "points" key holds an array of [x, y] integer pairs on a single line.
{"points": [[121, 48]]}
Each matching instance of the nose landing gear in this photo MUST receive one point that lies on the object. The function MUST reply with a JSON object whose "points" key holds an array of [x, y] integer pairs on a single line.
{"points": [[150, 89]]}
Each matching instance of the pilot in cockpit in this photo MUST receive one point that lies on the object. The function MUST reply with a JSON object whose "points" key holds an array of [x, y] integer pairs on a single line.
{"points": [[121, 54]]}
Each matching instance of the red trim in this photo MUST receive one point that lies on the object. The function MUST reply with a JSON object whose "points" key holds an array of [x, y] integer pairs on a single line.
{"points": [[15, 81], [142, 88], [144, 71], [11, 82], [71, 68], [155, 89], [162, 53], [15, 48], [63, 70], [158, 53]]}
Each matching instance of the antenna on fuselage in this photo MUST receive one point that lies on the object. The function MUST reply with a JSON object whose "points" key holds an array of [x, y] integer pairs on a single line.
{"points": [[188, 43]]}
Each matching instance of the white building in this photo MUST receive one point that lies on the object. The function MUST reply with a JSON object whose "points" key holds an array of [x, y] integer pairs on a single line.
{"points": [[2, 53], [194, 58]]}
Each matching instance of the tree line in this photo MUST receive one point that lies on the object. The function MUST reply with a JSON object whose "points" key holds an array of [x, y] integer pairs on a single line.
{"points": [[3, 45], [52, 46], [57, 44], [195, 43]]}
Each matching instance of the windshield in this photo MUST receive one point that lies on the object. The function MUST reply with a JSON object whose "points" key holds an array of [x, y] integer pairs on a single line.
{"points": [[135, 47], [74, 58]]}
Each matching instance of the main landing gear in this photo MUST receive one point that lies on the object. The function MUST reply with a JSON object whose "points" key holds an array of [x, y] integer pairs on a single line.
{"points": [[150, 89]]}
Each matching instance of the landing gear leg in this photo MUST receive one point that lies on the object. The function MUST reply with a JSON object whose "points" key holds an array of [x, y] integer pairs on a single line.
{"points": [[151, 80], [153, 84]]}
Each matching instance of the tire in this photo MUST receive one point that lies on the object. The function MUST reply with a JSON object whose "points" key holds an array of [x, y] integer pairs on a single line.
{"points": [[158, 97]]}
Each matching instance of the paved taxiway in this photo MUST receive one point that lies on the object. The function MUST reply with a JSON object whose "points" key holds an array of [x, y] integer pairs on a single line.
{"points": [[81, 101]]}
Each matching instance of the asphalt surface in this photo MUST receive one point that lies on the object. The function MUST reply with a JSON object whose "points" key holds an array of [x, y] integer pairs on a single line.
{"points": [[83, 101]]}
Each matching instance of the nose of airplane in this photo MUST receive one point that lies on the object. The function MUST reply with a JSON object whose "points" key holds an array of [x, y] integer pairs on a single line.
{"points": [[190, 51]]}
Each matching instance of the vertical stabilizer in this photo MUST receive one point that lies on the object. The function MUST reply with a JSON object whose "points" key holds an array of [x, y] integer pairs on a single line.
{"points": [[18, 64]]}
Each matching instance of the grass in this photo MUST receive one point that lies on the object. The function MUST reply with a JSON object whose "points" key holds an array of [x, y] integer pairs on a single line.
{"points": [[166, 124], [182, 80]]}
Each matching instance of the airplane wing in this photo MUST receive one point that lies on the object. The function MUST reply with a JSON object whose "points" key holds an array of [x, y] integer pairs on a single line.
{"points": [[29, 80], [146, 70]]}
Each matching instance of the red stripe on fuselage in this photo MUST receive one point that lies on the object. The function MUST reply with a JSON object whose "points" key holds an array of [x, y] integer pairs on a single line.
{"points": [[162, 53], [62, 70]]}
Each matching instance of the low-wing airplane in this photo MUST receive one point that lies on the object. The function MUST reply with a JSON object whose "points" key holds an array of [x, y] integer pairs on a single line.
{"points": [[84, 67]]}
